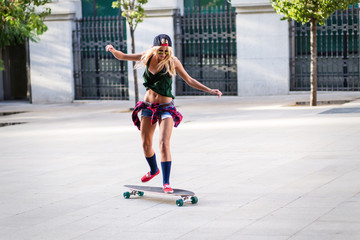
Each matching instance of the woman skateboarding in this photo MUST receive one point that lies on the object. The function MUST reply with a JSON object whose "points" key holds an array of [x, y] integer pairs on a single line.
{"points": [[158, 105]]}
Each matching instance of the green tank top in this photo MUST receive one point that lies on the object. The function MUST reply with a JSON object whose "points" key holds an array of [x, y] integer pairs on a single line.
{"points": [[160, 83]]}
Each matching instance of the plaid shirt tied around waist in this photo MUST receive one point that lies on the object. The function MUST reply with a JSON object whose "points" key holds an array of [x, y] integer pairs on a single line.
{"points": [[157, 110]]}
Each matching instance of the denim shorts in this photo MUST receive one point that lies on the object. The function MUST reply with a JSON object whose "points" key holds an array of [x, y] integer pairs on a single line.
{"points": [[148, 113]]}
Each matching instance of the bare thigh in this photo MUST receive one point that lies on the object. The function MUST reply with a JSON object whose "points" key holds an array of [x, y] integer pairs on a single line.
{"points": [[166, 127]]}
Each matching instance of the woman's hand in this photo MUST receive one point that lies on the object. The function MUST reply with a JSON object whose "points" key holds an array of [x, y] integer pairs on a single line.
{"points": [[216, 92], [109, 48]]}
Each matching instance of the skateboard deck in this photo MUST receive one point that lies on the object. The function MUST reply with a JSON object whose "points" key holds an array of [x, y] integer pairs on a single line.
{"points": [[186, 196]]}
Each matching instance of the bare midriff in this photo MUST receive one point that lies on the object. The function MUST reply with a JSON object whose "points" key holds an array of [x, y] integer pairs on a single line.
{"points": [[153, 97]]}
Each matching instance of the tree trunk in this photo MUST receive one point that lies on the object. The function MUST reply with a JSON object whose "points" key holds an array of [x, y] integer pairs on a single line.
{"points": [[313, 64], [134, 70]]}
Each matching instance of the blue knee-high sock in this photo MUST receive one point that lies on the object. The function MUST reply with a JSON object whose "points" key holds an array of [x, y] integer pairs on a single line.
{"points": [[166, 167], [152, 163]]}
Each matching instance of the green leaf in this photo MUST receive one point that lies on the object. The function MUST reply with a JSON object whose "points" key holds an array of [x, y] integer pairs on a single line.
{"points": [[305, 10], [19, 20], [116, 4], [2, 67], [132, 10]]}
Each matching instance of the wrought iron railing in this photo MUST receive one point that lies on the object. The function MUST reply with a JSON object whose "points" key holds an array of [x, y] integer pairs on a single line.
{"points": [[98, 75], [338, 53], [206, 45]]}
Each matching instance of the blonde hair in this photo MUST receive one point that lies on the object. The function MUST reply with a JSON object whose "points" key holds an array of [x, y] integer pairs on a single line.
{"points": [[167, 62]]}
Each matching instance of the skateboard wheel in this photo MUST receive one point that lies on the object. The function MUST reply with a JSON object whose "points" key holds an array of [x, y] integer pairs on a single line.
{"points": [[194, 200], [179, 202], [140, 193], [126, 195]]}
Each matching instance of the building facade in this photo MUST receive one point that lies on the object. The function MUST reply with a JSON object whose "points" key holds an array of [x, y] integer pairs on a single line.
{"points": [[260, 44]]}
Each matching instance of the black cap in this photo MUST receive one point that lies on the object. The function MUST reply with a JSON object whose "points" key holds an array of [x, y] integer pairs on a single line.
{"points": [[162, 40]]}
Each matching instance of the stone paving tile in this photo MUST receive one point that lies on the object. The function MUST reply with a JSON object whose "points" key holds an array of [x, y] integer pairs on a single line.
{"points": [[261, 170]]}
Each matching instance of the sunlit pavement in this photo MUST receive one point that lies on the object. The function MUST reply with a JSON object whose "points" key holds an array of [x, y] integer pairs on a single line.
{"points": [[261, 167]]}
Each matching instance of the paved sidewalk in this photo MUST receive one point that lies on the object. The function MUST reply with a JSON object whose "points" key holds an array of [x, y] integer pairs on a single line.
{"points": [[261, 168]]}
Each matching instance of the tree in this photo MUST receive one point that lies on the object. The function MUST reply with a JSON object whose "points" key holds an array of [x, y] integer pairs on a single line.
{"points": [[313, 11], [134, 13], [21, 20]]}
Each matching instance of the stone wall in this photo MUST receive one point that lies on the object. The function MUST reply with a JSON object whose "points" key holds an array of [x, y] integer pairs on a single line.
{"points": [[262, 49], [51, 59]]}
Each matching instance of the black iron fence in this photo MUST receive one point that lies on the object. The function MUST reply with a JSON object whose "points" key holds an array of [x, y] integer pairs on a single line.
{"points": [[205, 42], [98, 75], [338, 53]]}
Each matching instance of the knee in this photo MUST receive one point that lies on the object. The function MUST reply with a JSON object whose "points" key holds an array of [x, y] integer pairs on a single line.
{"points": [[147, 147], [164, 145]]}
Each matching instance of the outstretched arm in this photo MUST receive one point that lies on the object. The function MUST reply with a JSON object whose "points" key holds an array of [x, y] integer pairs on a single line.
{"points": [[192, 82], [123, 56]]}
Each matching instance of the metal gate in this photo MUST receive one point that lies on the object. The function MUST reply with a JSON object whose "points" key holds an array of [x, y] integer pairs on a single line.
{"points": [[205, 42], [338, 53], [98, 75]]}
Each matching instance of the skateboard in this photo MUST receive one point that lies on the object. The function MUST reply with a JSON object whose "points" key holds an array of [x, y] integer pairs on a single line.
{"points": [[186, 196]]}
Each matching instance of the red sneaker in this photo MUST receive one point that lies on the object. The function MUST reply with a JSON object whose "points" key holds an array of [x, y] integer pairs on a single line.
{"points": [[147, 177], [168, 189]]}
